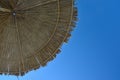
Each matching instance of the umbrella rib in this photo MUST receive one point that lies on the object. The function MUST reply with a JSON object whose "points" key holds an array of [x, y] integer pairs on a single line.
{"points": [[19, 41], [19, 69], [12, 3], [37, 60], [4, 9], [8, 68], [40, 4]]}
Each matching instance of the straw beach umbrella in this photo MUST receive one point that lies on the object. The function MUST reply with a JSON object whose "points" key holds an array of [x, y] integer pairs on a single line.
{"points": [[32, 31]]}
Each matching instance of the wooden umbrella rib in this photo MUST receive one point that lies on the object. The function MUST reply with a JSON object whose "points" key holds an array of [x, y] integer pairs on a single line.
{"points": [[19, 69], [19, 43], [12, 3], [8, 68], [37, 60], [36, 5], [4, 10], [18, 3], [8, 56], [32, 12]]}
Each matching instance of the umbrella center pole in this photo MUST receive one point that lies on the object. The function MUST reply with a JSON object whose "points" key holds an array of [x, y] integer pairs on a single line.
{"points": [[13, 13]]}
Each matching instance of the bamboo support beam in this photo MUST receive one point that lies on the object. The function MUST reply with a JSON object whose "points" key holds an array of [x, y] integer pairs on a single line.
{"points": [[4, 10]]}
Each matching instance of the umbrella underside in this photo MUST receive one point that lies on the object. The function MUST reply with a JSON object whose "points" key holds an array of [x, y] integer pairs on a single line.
{"points": [[32, 31]]}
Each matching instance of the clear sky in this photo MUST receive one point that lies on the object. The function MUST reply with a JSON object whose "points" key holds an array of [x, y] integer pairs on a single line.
{"points": [[93, 51]]}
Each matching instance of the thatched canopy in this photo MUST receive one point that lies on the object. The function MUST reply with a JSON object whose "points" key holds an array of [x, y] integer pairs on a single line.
{"points": [[32, 31]]}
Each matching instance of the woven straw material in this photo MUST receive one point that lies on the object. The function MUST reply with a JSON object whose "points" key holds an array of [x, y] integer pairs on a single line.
{"points": [[32, 31]]}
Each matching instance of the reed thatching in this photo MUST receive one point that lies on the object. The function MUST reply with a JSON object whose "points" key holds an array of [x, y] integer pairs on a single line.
{"points": [[32, 31]]}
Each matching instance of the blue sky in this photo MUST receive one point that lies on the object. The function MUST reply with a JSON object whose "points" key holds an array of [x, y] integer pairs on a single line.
{"points": [[93, 51]]}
